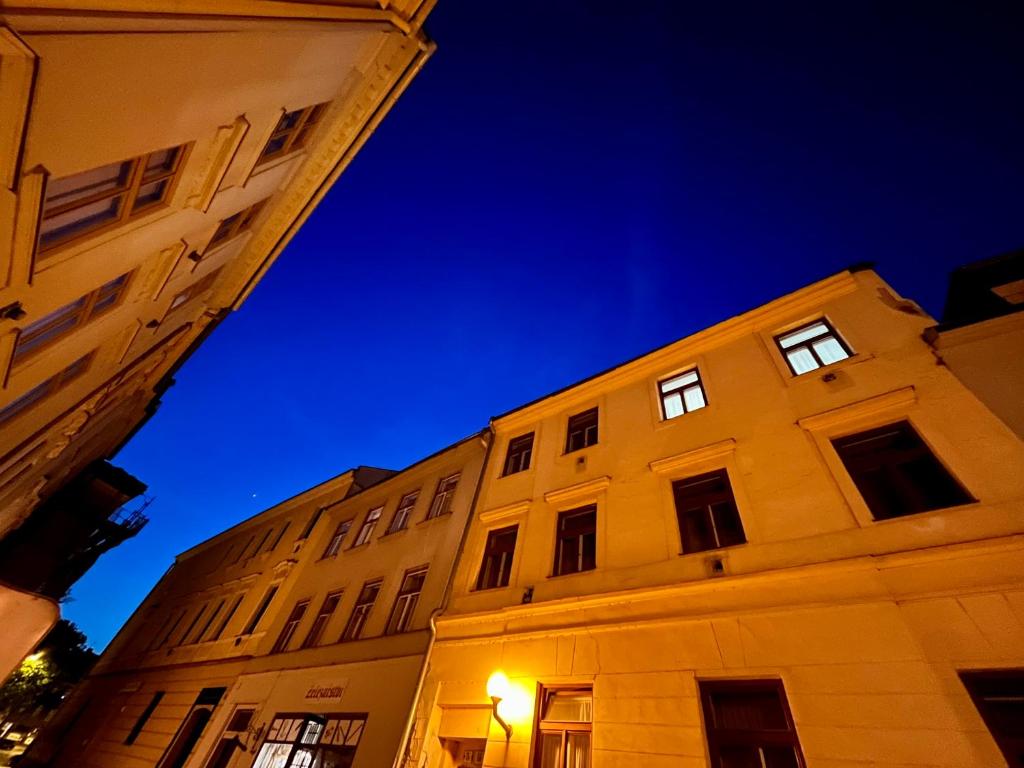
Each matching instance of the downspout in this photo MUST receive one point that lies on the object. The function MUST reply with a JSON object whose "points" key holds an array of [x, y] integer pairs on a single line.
{"points": [[402, 755]]}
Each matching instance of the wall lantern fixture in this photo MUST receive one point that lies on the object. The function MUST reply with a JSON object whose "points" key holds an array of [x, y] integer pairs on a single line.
{"points": [[498, 689]]}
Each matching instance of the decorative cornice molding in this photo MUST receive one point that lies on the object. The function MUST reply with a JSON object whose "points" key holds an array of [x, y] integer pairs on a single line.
{"points": [[576, 493], [894, 402], [671, 464], [506, 512]]}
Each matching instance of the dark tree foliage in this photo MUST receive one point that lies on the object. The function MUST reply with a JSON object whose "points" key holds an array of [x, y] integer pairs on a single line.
{"points": [[60, 660]]}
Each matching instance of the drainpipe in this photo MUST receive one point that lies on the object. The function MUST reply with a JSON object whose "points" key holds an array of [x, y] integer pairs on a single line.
{"points": [[402, 755]]}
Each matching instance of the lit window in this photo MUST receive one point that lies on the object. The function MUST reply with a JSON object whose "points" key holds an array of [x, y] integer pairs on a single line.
{"points": [[681, 394], [290, 625], [748, 722], [292, 132], [334, 545], [104, 197], [520, 451], [706, 509], [999, 696], [405, 507], [366, 531], [405, 603], [327, 609], [303, 740], [576, 548], [42, 391], [235, 225], [361, 612], [442, 502], [812, 346], [896, 473], [564, 725], [496, 568], [200, 286], [582, 431]]}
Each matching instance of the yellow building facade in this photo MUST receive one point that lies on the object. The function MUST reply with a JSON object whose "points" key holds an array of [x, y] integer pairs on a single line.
{"points": [[155, 158], [794, 538]]}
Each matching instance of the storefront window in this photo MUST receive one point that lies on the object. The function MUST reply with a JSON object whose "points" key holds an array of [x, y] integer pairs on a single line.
{"points": [[311, 741]]}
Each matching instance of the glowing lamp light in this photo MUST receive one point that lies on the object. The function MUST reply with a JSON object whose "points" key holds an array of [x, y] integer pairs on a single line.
{"points": [[498, 689]]}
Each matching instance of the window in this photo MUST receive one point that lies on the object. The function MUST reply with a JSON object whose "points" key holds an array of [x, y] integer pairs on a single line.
{"points": [[748, 723], [277, 539], [41, 391], [191, 728], [313, 520], [104, 197], [327, 609], [812, 346], [404, 512], [405, 603], [266, 537], [183, 640], [243, 550], [707, 514], [361, 611], [198, 287], [334, 545], [582, 431], [564, 725], [227, 618], [292, 132], [520, 451], [232, 738], [292, 623], [498, 551], [896, 473], [133, 734], [368, 525], [262, 609], [235, 225], [302, 740], [999, 697], [163, 638], [681, 394], [63, 321], [442, 501], [211, 617], [576, 549]]}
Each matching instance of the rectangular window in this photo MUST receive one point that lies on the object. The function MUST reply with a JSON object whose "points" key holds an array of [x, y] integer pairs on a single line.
{"points": [[162, 639], [197, 288], [812, 346], [292, 132], [748, 722], [41, 391], [262, 609], [327, 609], [405, 507], [223, 623], [302, 740], [334, 545], [576, 549], [896, 473], [133, 734], [263, 541], [280, 535], [292, 624], [999, 697], [186, 635], [56, 325], [369, 523], [498, 552], [582, 431], [520, 451], [707, 514], [210, 618], [442, 501], [405, 603], [313, 520], [243, 550], [564, 727], [235, 225], [681, 394], [104, 197], [361, 611]]}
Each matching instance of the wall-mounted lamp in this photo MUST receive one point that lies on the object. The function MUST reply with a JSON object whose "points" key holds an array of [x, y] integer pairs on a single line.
{"points": [[498, 689]]}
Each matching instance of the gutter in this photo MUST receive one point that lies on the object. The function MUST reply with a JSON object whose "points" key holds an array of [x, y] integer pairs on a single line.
{"points": [[402, 755]]}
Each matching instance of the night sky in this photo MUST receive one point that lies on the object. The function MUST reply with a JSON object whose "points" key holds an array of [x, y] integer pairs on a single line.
{"points": [[565, 186]]}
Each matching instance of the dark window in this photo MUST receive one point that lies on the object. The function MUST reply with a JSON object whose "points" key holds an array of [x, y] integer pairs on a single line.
{"points": [[369, 523], [361, 611], [42, 391], [184, 639], [564, 725], [235, 225], [405, 603], [334, 545], [313, 520], [197, 288], [264, 540], [812, 346], [243, 550], [327, 609], [748, 724], [896, 473], [133, 734], [582, 431], [292, 132], [280, 535], [681, 394], [292, 624], [191, 729], [576, 549], [442, 501], [205, 628], [498, 552], [170, 631], [262, 609], [223, 624], [707, 514], [405, 507], [999, 697], [520, 451]]}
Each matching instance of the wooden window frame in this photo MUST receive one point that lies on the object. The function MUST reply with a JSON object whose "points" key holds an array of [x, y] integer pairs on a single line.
{"points": [[233, 226], [560, 539], [503, 569], [441, 503], [680, 391], [406, 601], [261, 610], [1011, 745], [291, 626], [708, 501], [369, 525], [518, 448], [719, 737], [830, 332], [573, 428], [232, 610], [198, 288], [46, 388], [403, 512], [562, 727], [361, 611], [294, 136], [337, 539], [323, 616], [128, 192]]}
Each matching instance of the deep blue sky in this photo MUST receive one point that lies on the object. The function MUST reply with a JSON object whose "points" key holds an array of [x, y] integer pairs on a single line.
{"points": [[564, 187]]}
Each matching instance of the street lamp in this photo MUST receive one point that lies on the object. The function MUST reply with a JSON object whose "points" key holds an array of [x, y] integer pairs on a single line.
{"points": [[498, 689]]}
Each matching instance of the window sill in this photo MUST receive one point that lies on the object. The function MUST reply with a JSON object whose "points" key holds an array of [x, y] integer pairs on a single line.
{"points": [[827, 369], [481, 590], [427, 520], [360, 546], [271, 164], [574, 573], [706, 552], [956, 508], [389, 534]]}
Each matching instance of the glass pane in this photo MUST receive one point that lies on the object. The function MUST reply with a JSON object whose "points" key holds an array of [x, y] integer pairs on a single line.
{"points": [[577, 750], [303, 137], [802, 360], [732, 756], [727, 524], [779, 757], [694, 398], [107, 178], [79, 220], [273, 756], [27, 343], [749, 710], [274, 146], [288, 120], [160, 162], [150, 193], [71, 310], [830, 350], [679, 381], [550, 750], [695, 531], [568, 706], [673, 405], [802, 334]]}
